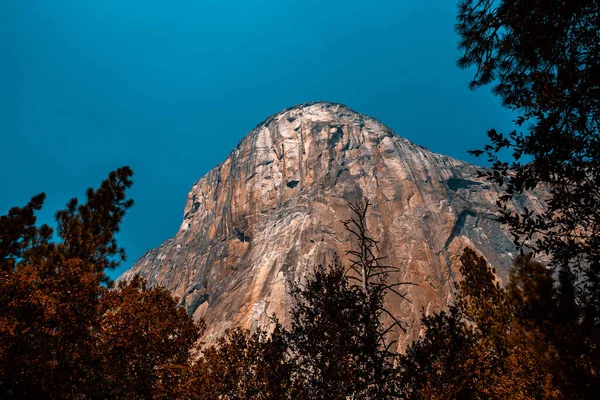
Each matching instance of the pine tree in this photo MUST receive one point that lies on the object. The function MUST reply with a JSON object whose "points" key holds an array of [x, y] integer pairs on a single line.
{"points": [[329, 340], [63, 333], [242, 366], [338, 340], [49, 290], [143, 343], [480, 348], [542, 58]]}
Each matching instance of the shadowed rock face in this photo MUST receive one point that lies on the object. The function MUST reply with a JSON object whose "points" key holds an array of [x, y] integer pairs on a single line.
{"points": [[274, 209]]}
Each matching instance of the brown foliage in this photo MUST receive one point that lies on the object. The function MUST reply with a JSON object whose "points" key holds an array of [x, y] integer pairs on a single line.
{"points": [[49, 291], [480, 349], [242, 366], [543, 59], [63, 333], [143, 342], [333, 339]]}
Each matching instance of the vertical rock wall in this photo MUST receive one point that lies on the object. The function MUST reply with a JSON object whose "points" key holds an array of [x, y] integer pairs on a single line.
{"points": [[274, 209]]}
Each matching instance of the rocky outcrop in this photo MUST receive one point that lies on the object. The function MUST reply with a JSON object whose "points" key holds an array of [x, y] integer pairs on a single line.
{"points": [[274, 209]]}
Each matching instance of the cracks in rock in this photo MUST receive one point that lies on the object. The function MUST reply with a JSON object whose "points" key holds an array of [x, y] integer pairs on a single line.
{"points": [[336, 137], [458, 183], [279, 156], [459, 225], [264, 164], [241, 235], [195, 207]]}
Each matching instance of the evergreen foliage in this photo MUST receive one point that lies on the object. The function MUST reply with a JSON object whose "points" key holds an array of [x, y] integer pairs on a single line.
{"points": [[242, 366], [543, 58], [63, 333], [143, 343], [336, 347], [479, 348], [338, 340], [66, 334], [333, 340]]}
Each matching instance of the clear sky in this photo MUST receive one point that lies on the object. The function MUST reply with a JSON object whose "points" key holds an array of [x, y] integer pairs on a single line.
{"points": [[170, 87]]}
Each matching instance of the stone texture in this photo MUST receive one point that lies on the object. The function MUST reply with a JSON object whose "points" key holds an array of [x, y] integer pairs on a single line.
{"points": [[274, 209]]}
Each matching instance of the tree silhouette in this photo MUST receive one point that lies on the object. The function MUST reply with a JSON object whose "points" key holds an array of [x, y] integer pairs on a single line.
{"points": [[337, 339], [479, 348], [63, 333], [49, 290], [143, 343], [243, 366], [369, 270], [550, 309], [329, 339], [543, 59]]}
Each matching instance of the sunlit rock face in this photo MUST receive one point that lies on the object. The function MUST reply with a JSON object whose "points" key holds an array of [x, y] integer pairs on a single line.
{"points": [[273, 209]]}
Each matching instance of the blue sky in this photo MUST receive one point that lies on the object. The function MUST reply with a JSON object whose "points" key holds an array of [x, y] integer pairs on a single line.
{"points": [[170, 87]]}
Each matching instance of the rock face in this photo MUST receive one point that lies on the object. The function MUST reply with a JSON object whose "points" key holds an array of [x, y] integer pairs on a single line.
{"points": [[274, 209]]}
